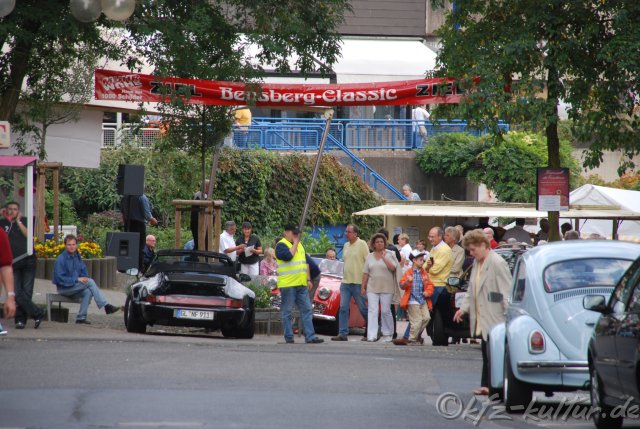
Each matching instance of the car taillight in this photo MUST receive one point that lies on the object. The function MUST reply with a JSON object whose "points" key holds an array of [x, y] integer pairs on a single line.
{"points": [[536, 342], [150, 298]]}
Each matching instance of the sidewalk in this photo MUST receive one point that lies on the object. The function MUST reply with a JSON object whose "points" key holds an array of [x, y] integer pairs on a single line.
{"points": [[111, 327], [96, 316]]}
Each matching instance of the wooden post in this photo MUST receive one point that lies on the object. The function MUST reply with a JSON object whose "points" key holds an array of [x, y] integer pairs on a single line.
{"points": [[205, 209], [178, 227], [56, 202], [201, 228], [218, 224]]}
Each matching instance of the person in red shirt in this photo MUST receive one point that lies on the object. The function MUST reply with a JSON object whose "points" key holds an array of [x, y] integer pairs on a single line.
{"points": [[489, 233], [6, 275]]}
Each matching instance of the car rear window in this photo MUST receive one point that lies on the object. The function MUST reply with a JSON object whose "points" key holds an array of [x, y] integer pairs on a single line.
{"points": [[579, 273]]}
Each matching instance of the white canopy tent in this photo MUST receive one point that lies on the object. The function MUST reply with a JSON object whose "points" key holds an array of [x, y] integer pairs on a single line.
{"points": [[594, 196], [421, 215]]}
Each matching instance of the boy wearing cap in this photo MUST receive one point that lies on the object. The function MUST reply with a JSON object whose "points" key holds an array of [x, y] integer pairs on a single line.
{"points": [[416, 300], [249, 259]]}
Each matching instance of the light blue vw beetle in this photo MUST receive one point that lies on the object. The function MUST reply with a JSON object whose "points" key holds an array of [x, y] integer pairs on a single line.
{"points": [[543, 344]]}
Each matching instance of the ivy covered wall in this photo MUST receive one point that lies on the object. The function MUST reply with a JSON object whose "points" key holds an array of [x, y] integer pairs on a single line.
{"points": [[266, 188]]}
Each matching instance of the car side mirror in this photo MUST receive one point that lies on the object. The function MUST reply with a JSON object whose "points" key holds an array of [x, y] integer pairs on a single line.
{"points": [[132, 272], [244, 278], [596, 303], [453, 281]]}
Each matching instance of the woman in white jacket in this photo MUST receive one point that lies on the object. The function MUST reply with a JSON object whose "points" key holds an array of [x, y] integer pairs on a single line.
{"points": [[487, 296]]}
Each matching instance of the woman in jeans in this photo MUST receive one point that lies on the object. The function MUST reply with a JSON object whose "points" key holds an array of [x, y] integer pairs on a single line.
{"points": [[380, 284]]}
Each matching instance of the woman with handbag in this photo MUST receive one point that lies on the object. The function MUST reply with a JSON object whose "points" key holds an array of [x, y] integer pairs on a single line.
{"points": [[379, 282]]}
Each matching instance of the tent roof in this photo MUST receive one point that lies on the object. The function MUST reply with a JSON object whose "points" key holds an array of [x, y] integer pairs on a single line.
{"points": [[379, 60], [17, 161], [601, 195], [509, 210]]}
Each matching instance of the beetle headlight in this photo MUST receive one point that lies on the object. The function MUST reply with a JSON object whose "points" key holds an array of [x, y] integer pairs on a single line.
{"points": [[324, 293]]}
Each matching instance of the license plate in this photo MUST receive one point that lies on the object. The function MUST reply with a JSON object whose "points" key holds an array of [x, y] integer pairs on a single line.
{"points": [[194, 314]]}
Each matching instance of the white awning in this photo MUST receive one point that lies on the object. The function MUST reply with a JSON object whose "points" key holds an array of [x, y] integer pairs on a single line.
{"points": [[505, 210], [381, 60]]}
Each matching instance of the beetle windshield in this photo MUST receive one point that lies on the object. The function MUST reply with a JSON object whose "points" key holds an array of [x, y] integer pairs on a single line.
{"points": [[579, 273]]}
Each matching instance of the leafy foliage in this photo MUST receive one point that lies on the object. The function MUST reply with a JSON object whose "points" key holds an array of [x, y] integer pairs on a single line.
{"points": [[267, 189], [521, 57], [317, 245], [229, 40], [507, 167], [68, 214]]}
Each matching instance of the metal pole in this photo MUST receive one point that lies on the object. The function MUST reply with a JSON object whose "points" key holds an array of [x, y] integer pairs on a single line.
{"points": [[328, 115]]}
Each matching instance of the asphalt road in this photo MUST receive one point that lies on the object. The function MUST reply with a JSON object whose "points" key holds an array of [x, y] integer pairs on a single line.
{"points": [[97, 377]]}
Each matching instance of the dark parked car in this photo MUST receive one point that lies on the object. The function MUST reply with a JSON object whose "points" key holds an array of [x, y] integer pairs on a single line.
{"points": [[191, 288], [614, 352], [442, 325]]}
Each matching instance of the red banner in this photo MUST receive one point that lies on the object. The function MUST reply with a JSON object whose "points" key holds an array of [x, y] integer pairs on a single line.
{"points": [[123, 86]]}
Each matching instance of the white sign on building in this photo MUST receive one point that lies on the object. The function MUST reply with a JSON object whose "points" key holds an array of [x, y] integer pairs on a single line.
{"points": [[5, 135]]}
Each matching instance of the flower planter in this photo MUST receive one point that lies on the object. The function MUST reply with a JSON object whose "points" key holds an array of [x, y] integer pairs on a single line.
{"points": [[102, 270], [268, 321]]}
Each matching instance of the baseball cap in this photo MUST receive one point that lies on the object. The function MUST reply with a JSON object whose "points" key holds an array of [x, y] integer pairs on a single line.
{"points": [[415, 254], [292, 227]]}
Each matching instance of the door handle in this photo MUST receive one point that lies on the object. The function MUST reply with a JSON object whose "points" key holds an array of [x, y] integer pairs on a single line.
{"points": [[590, 323]]}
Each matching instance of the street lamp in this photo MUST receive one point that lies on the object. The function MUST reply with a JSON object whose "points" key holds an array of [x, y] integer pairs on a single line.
{"points": [[118, 10], [90, 10], [6, 7], [85, 10]]}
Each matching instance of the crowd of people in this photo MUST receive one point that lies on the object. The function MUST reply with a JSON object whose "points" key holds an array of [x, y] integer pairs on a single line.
{"points": [[379, 276]]}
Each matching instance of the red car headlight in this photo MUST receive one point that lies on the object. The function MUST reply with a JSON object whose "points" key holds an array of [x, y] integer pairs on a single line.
{"points": [[324, 293]]}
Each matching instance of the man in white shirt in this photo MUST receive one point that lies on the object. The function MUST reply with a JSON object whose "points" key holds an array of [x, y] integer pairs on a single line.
{"points": [[228, 242], [420, 116]]}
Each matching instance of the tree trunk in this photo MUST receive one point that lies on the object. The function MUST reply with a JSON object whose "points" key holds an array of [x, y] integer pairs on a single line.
{"points": [[553, 141], [42, 153], [19, 64], [203, 151]]}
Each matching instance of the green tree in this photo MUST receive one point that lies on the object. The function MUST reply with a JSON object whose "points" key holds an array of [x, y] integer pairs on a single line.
{"points": [[507, 167], [519, 58], [230, 39]]}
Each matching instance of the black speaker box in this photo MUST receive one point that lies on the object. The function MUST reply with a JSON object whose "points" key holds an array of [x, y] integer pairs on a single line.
{"points": [[125, 247], [130, 179]]}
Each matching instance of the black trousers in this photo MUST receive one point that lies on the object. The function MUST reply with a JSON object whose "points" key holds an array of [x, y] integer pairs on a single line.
{"points": [[484, 378], [24, 275]]}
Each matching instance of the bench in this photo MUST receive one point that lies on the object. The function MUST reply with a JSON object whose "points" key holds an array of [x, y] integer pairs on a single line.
{"points": [[56, 297]]}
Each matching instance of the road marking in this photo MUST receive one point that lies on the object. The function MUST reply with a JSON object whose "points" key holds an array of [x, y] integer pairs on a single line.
{"points": [[384, 358], [161, 424]]}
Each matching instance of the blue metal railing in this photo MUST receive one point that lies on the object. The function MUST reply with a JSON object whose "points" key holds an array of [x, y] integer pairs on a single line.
{"points": [[345, 135], [369, 175], [356, 134]]}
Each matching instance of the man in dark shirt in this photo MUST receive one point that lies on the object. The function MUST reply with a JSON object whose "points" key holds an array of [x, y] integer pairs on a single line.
{"points": [[24, 266], [149, 251]]}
